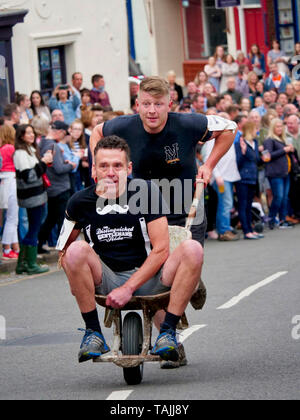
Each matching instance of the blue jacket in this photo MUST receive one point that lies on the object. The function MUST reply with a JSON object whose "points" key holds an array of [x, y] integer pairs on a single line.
{"points": [[269, 84], [278, 165], [247, 163], [261, 61]]}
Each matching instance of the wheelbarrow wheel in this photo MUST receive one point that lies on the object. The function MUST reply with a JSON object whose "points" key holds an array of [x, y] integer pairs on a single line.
{"points": [[132, 341]]}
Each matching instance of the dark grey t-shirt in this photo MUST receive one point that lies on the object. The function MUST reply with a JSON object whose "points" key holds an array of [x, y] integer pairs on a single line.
{"points": [[168, 155]]}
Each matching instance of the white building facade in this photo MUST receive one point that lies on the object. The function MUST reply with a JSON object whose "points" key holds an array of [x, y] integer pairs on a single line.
{"points": [[43, 42]]}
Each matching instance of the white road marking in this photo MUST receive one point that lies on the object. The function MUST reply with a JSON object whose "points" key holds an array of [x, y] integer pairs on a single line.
{"points": [[189, 331], [247, 292], [119, 395], [123, 395]]}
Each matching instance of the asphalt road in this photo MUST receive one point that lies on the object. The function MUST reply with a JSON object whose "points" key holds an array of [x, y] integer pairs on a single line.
{"points": [[245, 348]]}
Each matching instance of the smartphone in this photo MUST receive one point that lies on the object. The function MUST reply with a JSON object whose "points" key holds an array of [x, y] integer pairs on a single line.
{"points": [[63, 87]]}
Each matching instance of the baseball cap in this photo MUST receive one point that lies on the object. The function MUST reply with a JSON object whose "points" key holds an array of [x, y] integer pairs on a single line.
{"points": [[59, 125]]}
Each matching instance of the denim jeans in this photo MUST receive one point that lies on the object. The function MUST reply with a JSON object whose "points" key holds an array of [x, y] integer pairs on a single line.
{"points": [[280, 190], [225, 204], [245, 194], [35, 217], [23, 224]]}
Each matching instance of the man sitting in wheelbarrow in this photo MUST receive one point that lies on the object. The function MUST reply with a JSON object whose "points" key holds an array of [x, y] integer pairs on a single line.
{"points": [[125, 251]]}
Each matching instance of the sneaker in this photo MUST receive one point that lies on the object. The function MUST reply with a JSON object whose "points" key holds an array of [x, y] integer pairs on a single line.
{"points": [[292, 220], [93, 345], [212, 235], [251, 236], [259, 235], [12, 255], [285, 225], [228, 236], [182, 361], [166, 346]]}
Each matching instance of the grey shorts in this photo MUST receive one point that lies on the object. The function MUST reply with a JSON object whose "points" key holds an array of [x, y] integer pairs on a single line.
{"points": [[111, 280]]}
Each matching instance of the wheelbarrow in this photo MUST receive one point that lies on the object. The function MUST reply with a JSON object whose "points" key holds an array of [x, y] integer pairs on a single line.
{"points": [[132, 335]]}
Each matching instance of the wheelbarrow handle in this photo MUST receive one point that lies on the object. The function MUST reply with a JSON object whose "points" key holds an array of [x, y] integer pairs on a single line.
{"points": [[193, 210]]}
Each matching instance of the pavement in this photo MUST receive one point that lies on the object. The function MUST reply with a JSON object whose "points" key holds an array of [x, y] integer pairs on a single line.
{"points": [[10, 266], [243, 345]]}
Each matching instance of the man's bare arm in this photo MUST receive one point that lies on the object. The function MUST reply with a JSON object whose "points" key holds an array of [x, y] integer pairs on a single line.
{"points": [[97, 135], [223, 142], [159, 238]]}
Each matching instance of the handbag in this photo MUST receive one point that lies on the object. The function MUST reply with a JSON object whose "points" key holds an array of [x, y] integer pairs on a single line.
{"points": [[46, 181]]}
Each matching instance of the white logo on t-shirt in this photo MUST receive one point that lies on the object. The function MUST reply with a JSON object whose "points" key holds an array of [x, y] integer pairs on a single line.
{"points": [[106, 234], [112, 208]]}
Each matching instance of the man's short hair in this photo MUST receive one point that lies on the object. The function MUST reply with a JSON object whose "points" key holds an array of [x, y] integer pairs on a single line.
{"points": [[232, 108], [238, 119], [9, 109], [96, 77], [74, 74], [196, 96], [114, 143], [155, 86], [97, 107]]}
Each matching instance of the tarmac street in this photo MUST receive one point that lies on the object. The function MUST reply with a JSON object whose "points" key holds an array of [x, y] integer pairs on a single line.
{"points": [[244, 344]]}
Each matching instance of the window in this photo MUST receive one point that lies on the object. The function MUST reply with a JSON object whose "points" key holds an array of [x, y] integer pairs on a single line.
{"points": [[205, 28], [215, 23], [246, 3], [52, 68]]}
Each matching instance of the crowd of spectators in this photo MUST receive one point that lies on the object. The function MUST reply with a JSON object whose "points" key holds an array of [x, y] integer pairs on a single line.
{"points": [[45, 157]]}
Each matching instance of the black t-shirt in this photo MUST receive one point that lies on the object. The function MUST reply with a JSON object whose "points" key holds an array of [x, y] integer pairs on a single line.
{"points": [[118, 234], [169, 154]]}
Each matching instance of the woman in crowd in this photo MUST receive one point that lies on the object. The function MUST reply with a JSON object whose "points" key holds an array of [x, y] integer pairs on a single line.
{"points": [[38, 106], [41, 127], [200, 80], [290, 91], [174, 99], [247, 156], [64, 98], [219, 55], [245, 105], [10, 239], [171, 77], [275, 55], [213, 71], [210, 95], [242, 60], [85, 99], [277, 171], [79, 146], [25, 111], [229, 69], [90, 119], [265, 125], [252, 82], [31, 194], [70, 156], [257, 60]]}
